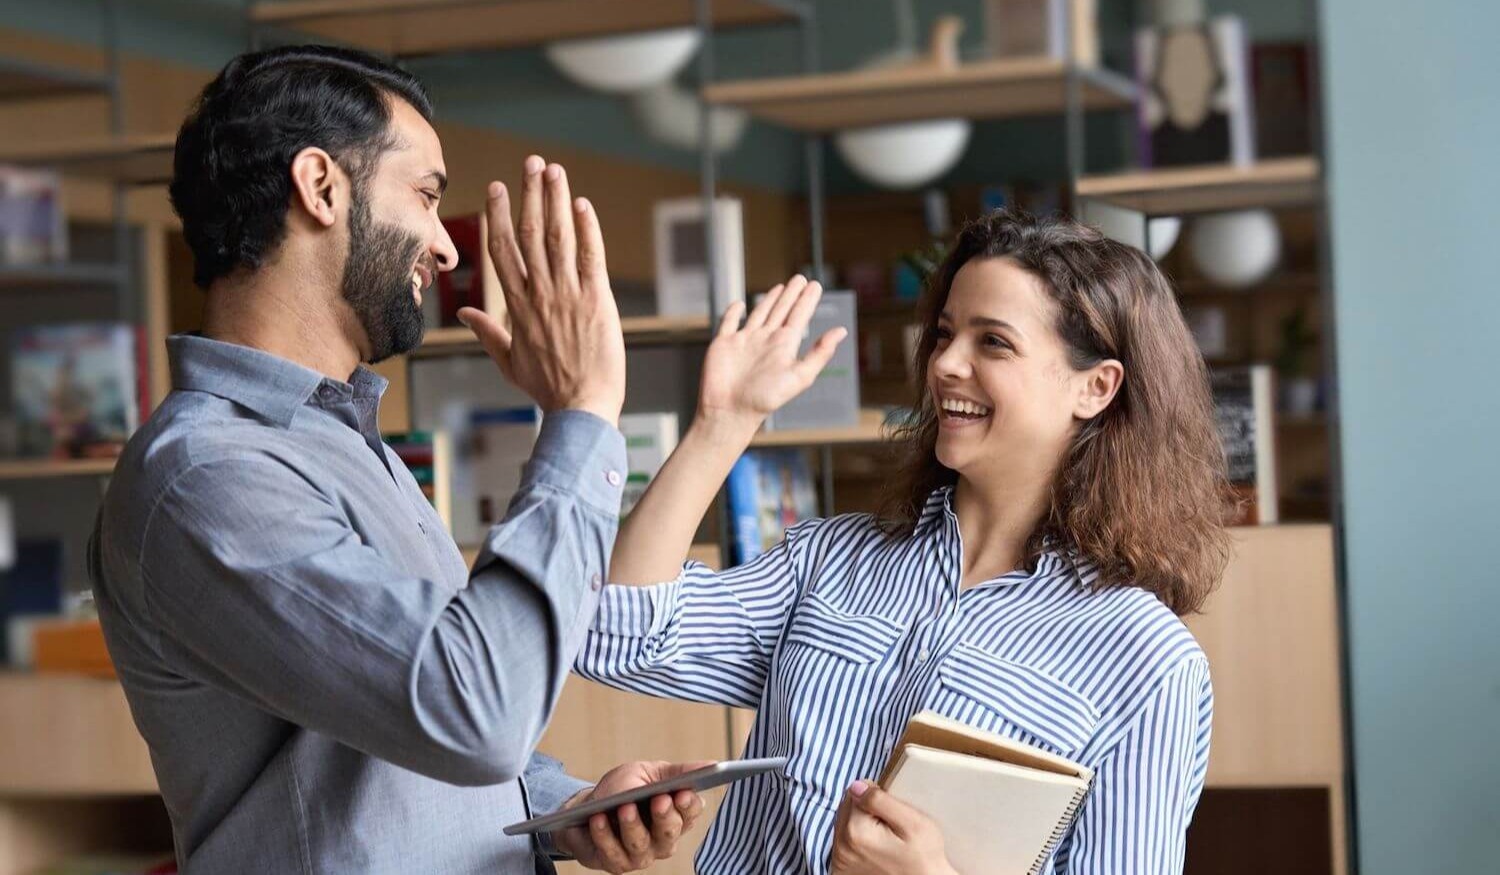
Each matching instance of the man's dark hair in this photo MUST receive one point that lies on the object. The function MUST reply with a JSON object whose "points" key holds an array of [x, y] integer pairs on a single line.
{"points": [[231, 175]]}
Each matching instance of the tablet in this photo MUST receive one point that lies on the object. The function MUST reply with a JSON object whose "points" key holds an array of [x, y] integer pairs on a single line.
{"points": [[702, 779]]}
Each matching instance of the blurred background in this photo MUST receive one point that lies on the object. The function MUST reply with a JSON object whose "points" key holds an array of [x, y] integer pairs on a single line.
{"points": [[1316, 178]]}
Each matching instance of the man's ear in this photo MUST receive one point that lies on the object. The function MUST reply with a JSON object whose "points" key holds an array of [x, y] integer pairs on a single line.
{"points": [[318, 185], [1097, 387]]}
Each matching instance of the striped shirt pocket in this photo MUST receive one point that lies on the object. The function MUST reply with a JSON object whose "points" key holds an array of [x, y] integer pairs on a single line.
{"points": [[861, 638], [986, 690]]}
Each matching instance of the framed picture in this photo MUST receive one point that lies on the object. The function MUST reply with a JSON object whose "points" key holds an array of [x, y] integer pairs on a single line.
{"points": [[682, 262]]}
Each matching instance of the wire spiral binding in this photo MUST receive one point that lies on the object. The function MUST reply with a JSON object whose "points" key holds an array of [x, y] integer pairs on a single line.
{"points": [[1063, 826]]}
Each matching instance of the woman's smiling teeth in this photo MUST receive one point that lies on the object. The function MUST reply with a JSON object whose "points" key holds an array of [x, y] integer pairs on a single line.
{"points": [[960, 409]]}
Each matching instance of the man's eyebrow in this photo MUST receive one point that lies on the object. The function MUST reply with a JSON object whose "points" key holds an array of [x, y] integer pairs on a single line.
{"points": [[442, 179]]}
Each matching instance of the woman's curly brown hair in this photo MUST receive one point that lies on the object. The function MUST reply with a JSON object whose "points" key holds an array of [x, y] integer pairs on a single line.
{"points": [[1142, 493]]}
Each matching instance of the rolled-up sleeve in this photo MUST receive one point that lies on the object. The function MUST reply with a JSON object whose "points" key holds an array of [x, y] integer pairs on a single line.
{"points": [[706, 637], [258, 583]]}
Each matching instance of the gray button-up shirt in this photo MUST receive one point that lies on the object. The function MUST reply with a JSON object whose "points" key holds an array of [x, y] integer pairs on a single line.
{"points": [[323, 684]]}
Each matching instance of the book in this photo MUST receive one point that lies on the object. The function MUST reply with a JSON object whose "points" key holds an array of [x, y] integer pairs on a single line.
{"points": [[500, 444], [832, 401], [67, 645], [1244, 408], [682, 256], [30, 589], [1032, 28], [77, 388], [1195, 104], [471, 283], [1003, 806], [33, 229], [769, 491], [649, 439], [428, 455]]}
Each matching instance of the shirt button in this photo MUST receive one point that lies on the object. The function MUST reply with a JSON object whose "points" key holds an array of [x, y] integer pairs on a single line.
{"points": [[613, 477], [923, 654], [595, 583]]}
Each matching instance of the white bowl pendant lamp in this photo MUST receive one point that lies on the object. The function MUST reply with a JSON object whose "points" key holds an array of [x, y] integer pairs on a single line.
{"points": [[669, 114], [627, 63], [1236, 250], [907, 155]]}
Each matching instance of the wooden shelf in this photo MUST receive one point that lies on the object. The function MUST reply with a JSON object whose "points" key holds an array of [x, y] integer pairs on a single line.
{"points": [[34, 469], [424, 27], [1005, 88], [638, 330], [21, 276], [1282, 182], [69, 736], [24, 80], [136, 160], [870, 430]]}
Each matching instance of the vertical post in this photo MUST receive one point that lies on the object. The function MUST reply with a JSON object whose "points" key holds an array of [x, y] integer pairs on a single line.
{"points": [[813, 151], [707, 159], [1073, 119], [125, 276]]}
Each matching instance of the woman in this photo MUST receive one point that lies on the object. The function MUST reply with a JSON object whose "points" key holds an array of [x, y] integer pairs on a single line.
{"points": [[1061, 501]]}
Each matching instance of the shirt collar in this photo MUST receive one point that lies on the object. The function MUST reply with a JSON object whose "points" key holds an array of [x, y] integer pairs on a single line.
{"points": [[269, 386], [938, 516]]}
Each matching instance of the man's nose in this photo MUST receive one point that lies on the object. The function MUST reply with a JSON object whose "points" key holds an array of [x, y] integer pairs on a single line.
{"points": [[443, 251]]}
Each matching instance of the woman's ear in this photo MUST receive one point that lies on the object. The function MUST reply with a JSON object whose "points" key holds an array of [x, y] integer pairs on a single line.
{"points": [[317, 185], [1097, 387]]}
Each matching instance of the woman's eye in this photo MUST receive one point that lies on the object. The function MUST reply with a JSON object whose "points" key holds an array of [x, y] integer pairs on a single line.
{"points": [[943, 334], [994, 341]]}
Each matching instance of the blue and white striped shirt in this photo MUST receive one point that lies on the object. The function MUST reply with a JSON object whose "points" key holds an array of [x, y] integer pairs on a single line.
{"points": [[840, 634]]}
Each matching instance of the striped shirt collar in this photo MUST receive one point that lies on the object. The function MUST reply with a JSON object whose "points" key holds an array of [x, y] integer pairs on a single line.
{"points": [[940, 520]]}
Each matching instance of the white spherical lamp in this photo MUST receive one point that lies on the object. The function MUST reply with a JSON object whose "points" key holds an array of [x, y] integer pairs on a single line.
{"points": [[1236, 250], [906, 155], [1162, 233], [622, 64], [669, 115]]}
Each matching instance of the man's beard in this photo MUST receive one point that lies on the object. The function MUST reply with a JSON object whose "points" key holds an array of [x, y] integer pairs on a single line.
{"points": [[377, 282]]}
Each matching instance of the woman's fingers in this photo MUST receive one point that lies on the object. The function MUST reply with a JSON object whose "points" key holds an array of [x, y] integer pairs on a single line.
{"points": [[794, 289], [729, 323], [819, 355], [763, 309], [807, 304]]}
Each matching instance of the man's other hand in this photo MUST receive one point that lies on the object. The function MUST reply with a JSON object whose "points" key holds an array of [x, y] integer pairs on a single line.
{"points": [[626, 842]]}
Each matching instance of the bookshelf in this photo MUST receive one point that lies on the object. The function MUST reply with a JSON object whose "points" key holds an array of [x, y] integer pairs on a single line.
{"points": [[425, 27], [21, 79], [39, 469], [124, 159], [869, 430], [62, 274], [1005, 88], [1283, 182], [638, 330]]}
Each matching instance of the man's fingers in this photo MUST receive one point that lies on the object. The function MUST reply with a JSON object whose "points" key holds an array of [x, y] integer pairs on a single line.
{"points": [[729, 323], [757, 316], [611, 854], [634, 836], [690, 806], [666, 826], [503, 249], [531, 230], [562, 244], [592, 270], [493, 335], [821, 353]]}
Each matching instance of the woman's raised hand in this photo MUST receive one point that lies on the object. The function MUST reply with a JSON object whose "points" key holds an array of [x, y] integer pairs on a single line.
{"points": [[752, 370]]}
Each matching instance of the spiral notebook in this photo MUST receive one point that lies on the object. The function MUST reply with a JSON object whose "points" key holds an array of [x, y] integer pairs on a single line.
{"points": [[1003, 806]]}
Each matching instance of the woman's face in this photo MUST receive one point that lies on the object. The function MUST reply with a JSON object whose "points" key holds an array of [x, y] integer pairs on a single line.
{"points": [[1007, 398]]}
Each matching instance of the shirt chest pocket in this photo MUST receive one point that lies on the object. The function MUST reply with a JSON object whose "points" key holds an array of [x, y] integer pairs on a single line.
{"points": [[854, 638], [1014, 700]]}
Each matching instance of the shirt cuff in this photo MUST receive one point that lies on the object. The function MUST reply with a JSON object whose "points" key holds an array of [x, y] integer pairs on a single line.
{"points": [[547, 787], [636, 611], [579, 453]]}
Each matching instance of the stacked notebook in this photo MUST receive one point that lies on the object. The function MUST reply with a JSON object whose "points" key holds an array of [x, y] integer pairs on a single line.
{"points": [[1003, 806]]}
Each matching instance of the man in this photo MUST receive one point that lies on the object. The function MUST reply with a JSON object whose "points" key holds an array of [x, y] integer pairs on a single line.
{"points": [[323, 684]]}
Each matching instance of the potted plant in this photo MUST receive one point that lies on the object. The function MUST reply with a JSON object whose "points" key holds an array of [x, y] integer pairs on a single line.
{"points": [[1299, 387]]}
